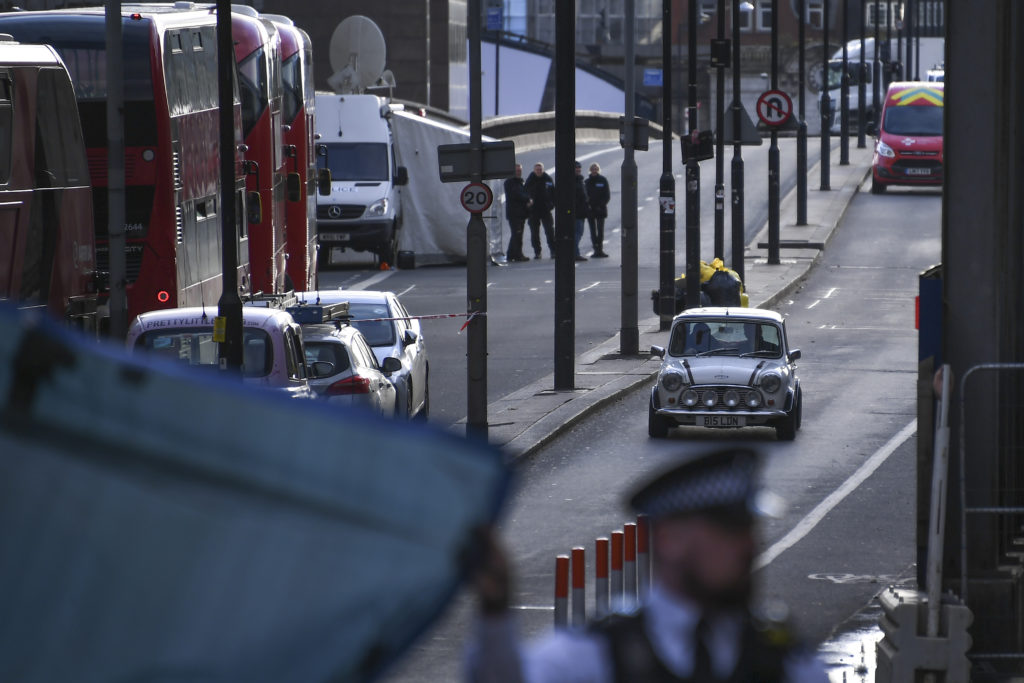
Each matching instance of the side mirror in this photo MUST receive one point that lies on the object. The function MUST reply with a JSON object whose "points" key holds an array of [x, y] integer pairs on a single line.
{"points": [[794, 355], [321, 368], [658, 351], [409, 337], [391, 365], [254, 207], [321, 149], [323, 182], [401, 176], [294, 187]]}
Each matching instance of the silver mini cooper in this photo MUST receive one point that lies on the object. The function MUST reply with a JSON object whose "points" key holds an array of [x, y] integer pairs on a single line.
{"points": [[727, 367]]}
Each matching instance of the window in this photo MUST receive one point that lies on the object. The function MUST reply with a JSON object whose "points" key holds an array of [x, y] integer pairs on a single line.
{"points": [[763, 11], [6, 126], [726, 337], [356, 160], [815, 13]]}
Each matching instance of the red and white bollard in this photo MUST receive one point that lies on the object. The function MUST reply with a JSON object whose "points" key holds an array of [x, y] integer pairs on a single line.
{"points": [[579, 588], [643, 556], [616, 573], [601, 578], [629, 564], [561, 591]]}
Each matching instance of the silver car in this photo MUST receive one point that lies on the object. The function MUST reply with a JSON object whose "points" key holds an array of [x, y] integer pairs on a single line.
{"points": [[390, 331], [355, 377], [727, 368]]}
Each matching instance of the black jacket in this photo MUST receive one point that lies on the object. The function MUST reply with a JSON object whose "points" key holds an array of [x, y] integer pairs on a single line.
{"points": [[516, 198], [582, 207], [542, 191], [598, 194]]}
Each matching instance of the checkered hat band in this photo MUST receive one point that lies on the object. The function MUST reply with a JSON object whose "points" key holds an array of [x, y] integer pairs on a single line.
{"points": [[726, 486]]}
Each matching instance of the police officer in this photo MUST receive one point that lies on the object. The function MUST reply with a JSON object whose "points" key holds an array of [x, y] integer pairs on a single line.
{"points": [[598, 195], [581, 208], [697, 625], [541, 188], [517, 209]]}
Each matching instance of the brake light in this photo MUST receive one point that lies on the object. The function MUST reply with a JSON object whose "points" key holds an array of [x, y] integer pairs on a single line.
{"points": [[349, 386]]}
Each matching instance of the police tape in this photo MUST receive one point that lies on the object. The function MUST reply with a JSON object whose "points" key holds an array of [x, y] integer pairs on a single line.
{"points": [[437, 316]]}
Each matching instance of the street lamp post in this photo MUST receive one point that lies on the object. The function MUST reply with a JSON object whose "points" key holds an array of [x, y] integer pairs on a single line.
{"points": [[844, 94], [826, 107], [692, 167], [773, 154], [801, 133], [720, 142], [667, 185], [861, 88], [738, 231]]}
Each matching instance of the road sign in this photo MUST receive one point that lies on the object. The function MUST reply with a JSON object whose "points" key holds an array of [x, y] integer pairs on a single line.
{"points": [[476, 197], [494, 22], [653, 78], [774, 107]]}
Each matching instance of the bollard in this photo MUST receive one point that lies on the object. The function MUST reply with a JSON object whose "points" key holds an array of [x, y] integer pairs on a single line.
{"points": [[601, 577], [616, 573], [579, 590], [561, 591], [643, 557], [629, 565]]}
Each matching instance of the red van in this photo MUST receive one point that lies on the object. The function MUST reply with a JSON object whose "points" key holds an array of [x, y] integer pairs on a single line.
{"points": [[908, 148]]}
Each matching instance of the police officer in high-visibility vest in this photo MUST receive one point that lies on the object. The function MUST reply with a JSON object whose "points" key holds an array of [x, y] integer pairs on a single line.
{"points": [[697, 625]]}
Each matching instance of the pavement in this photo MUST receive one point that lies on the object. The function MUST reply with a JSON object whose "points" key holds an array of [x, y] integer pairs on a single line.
{"points": [[531, 417]]}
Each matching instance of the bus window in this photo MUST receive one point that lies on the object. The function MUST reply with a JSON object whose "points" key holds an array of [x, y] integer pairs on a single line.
{"points": [[6, 126], [252, 84]]}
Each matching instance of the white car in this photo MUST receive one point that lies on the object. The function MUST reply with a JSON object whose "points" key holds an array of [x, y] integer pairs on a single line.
{"points": [[387, 326], [355, 377], [727, 368]]}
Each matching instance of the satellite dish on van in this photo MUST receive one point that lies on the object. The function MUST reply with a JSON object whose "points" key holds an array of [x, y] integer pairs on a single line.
{"points": [[357, 53]]}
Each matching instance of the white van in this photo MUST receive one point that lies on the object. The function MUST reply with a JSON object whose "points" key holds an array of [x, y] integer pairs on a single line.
{"points": [[363, 211]]}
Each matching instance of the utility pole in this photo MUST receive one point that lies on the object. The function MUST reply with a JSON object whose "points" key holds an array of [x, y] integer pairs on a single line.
{"points": [[565, 195], [738, 231], [692, 167], [667, 186], [629, 334], [844, 94], [719, 141], [477, 250], [861, 88], [229, 307]]}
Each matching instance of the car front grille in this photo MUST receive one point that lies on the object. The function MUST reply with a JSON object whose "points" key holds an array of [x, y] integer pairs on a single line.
{"points": [[720, 398], [346, 211]]}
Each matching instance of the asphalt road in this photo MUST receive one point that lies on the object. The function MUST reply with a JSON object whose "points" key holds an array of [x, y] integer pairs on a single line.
{"points": [[520, 296], [853, 318]]}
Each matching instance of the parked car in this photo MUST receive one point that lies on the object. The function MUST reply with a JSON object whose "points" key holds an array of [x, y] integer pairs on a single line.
{"points": [[272, 345], [727, 368], [390, 331], [355, 378]]}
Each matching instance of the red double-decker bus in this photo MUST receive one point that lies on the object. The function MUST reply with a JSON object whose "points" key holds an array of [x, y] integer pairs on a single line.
{"points": [[258, 54], [47, 254], [172, 150], [300, 150]]}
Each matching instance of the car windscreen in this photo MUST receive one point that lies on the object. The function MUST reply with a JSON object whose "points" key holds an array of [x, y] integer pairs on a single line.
{"points": [[366, 320], [332, 352], [913, 120], [708, 336], [355, 160], [195, 347]]}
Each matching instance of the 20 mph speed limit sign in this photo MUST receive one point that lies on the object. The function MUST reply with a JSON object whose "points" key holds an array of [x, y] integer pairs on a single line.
{"points": [[476, 197]]}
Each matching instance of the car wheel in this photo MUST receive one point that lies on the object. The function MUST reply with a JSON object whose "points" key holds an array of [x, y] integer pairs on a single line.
{"points": [[876, 187], [408, 400], [785, 429], [424, 411], [657, 426], [798, 411]]}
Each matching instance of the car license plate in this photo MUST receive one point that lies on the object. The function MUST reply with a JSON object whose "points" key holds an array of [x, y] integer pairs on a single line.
{"points": [[719, 421], [919, 171], [334, 237]]}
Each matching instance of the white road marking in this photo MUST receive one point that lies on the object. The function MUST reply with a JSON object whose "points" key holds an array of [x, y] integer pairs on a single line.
{"points": [[821, 510], [373, 279], [591, 286], [589, 155], [830, 292], [405, 291], [816, 302]]}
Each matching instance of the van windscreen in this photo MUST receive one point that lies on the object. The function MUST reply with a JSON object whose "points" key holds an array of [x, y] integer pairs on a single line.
{"points": [[356, 160], [913, 120]]}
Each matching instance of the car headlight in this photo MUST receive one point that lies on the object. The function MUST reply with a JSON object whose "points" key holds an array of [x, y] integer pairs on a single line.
{"points": [[709, 398], [671, 381], [690, 398], [731, 398], [885, 150], [378, 208], [752, 399], [771, 383]]}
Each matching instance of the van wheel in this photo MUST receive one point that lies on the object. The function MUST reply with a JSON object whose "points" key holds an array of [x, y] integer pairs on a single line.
{"points": [[876, 187], [388, 253]]}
